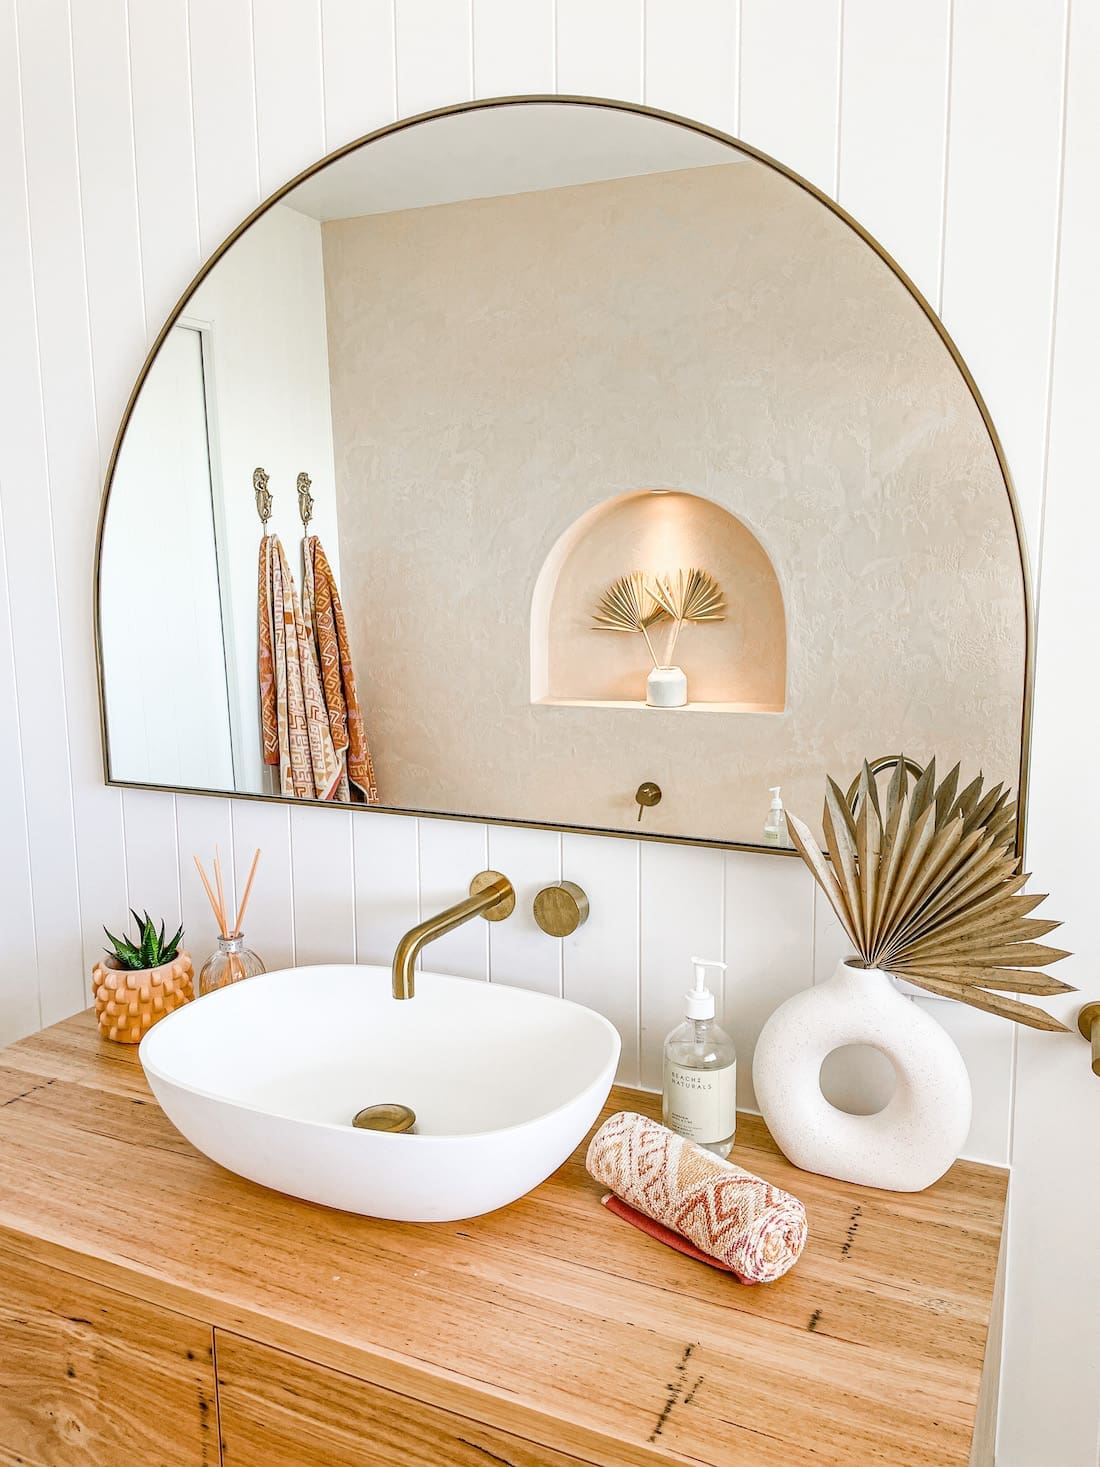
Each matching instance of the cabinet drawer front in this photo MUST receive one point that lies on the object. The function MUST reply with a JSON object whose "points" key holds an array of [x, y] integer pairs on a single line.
{"points": [[91, 1378], [278, 1408]]}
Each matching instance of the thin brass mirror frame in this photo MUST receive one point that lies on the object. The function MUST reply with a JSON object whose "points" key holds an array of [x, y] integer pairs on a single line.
{"points": [[704, 131]]}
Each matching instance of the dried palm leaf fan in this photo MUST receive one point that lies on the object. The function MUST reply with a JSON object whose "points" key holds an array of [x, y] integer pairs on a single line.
{"points": [[628, 605], [930, 889], [692, 595], [636, 602]]}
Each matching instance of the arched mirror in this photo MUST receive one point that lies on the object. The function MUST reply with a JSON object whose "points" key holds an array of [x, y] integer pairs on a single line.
{"points": [[531, 451]]}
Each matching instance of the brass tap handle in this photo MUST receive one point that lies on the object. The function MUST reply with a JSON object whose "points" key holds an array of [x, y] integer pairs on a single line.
{"points": [[1088, 1021], [561, 909], [647, 795]]}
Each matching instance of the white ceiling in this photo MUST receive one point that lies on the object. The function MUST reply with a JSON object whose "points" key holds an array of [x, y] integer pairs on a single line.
{"points": [[502, 150]]}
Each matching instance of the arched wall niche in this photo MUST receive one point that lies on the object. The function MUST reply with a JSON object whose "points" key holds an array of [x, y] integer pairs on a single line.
{"points": [[735, 665]]}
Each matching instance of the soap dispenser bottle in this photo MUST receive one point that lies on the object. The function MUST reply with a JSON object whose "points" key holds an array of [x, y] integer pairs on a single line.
{"points": [[775, 826], [700, 1071]]}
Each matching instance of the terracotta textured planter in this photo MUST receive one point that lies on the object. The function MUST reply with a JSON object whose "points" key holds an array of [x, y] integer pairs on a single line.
{"points": [[128, 1003]]}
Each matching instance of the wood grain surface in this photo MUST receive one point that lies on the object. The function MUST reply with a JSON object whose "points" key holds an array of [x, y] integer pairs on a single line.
{"points": [[277, 1408], [549, 1320], [91, 1378]]}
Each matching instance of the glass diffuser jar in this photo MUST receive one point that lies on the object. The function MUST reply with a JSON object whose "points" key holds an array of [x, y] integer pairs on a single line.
{"points": [[232, 962]]}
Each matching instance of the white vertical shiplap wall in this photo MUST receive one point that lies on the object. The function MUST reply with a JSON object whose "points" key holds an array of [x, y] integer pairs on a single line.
{"points": [[964, 133], [1052, 1365]]}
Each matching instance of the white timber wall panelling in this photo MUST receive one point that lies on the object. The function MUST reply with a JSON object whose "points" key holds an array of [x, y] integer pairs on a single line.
{"points": [[893, 125], [532, 859], [359, 75], [1052, 1346], [51, 458], [600, 48], [434, 56], [999, 259], [164, 154], [513, 47], [133, 138], [691, 51], [790, 73], [24, 465]]}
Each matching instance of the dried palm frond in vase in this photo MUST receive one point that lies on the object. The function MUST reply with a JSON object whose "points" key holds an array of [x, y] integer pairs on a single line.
{"points": [[929, 889], [693, 595], [628, 605]]}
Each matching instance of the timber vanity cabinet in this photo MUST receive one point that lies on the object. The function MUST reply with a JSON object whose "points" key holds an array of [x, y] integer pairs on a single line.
{"points": [[156, 1311]]}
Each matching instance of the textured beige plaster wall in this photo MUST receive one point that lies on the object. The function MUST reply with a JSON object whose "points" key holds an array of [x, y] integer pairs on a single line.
{"points": [[502, 366]]}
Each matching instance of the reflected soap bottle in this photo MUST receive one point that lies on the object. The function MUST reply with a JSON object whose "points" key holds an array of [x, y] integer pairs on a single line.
{"points": [[699, 1094], [775, 826]]}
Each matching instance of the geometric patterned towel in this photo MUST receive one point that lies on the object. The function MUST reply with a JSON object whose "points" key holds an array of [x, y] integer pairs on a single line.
{"points": [[293, 717], [756, 1230], [324, 619]]}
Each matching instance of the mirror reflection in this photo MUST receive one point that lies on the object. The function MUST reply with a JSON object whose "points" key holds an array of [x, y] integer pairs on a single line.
{"points": [[529, 454]]}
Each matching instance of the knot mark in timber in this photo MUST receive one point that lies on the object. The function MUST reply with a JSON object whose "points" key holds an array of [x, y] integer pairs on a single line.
{"points": [[853, 1228], [678, 1390]]}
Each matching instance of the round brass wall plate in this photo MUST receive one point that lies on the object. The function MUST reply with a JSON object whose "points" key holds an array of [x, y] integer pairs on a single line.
{"points": [[1088, 1016], [647, 795], [561, 909], [507, 904]]}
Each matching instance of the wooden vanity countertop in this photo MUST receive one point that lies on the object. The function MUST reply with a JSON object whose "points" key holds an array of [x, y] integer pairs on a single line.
{"points": [[551, 1318]]}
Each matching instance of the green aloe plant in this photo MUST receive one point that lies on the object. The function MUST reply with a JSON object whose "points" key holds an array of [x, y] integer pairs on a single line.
{"points": [[149, 951]]}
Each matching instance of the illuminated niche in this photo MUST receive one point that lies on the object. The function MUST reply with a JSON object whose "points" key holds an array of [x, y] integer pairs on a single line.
{"points": [[738, 665]]}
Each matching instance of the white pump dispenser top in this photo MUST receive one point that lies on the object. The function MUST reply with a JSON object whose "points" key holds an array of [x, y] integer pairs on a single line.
{"points": [[699, 1001], [777, 803]]}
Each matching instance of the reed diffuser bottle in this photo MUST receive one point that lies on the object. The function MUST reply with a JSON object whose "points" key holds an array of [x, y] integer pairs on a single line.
{"points": [[232, 961]]}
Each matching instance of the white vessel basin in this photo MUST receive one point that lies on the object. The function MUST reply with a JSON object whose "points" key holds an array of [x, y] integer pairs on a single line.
{"points": [[264, 1077]]}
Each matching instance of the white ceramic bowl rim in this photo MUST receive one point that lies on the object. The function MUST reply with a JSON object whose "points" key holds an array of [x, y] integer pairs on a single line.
{"points": [[385, 1138]]}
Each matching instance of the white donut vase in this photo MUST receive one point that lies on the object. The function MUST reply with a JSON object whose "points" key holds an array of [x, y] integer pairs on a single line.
{"points": [[906, 1146]]}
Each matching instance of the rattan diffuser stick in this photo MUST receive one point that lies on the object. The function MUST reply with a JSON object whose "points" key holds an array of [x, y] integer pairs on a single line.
{"points": [[929, 889], [247, 893], [217, 903], [216, 906]]}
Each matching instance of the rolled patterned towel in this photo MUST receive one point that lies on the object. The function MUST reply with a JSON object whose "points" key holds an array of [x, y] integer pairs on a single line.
{"points": [[752, 1228]]}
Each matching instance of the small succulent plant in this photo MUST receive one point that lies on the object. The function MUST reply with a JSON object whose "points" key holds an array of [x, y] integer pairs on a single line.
{"points": [[149, 951]]}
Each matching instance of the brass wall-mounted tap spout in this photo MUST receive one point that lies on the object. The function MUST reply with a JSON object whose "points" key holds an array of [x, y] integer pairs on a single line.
{"points": [[492, 896]]}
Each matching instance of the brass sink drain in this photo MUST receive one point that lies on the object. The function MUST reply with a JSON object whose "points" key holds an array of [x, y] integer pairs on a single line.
{"points": [[386, 1117]]}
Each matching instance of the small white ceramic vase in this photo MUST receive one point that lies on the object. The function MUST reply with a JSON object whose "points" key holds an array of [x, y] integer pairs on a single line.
{"points": [[666, 687], [907, 1145]]}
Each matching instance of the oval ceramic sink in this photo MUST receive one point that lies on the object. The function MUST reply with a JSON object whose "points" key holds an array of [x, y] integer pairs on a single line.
{"points": [[264, 1077]]}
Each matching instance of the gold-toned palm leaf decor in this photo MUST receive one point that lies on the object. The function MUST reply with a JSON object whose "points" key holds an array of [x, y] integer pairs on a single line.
{"points": [[636, 602], [693, 595], [628, 605], [929, 889]]}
